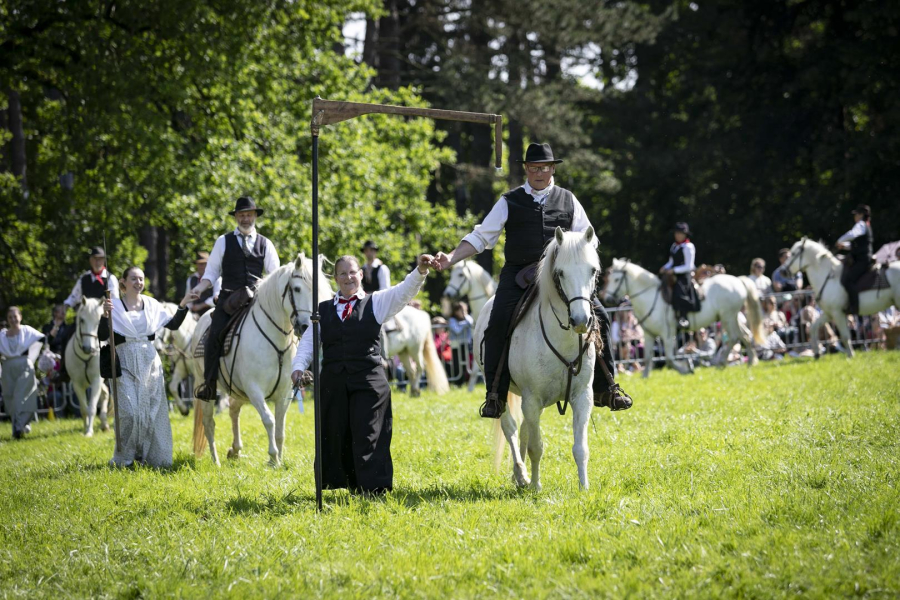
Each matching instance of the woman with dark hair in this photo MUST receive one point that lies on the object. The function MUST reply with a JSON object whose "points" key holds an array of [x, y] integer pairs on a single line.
{"points": [[142, 414], [20, 346], [859, 242]]}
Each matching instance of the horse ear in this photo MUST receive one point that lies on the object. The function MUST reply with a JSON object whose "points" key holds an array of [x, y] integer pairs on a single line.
{"points": [[83, 301], [299, 262], [589, 234], [559, 235]]}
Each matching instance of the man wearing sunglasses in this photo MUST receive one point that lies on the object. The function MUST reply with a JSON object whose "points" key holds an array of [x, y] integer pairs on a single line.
{"points": [[530, 215]]}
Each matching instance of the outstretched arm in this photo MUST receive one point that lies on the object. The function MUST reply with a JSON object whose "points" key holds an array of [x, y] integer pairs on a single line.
{"points": [[443, 261]]}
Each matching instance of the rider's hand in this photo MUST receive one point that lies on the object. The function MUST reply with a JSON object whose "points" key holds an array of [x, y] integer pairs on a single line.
{"points": [[305, 378], [425, 261], [441, 261], [107, 307], [295, 376]]}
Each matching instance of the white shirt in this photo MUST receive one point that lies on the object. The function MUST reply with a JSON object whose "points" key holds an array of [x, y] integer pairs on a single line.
{"points": [[858, 229], [763, 283], [76, 295], [216, 288], [384, 274], [485, 236], [17, 345], [385, 304], [214, 263], [689, 253]]}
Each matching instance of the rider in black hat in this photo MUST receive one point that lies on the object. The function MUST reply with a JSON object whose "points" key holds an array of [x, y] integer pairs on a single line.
{"points": [[859, 240], [94, 283], [681, 264], [538, 206], [241, 257], [376, 275]]}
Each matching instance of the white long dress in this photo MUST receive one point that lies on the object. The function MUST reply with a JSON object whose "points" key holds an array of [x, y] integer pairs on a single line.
{"points": [[20, 390], [142, 414]]}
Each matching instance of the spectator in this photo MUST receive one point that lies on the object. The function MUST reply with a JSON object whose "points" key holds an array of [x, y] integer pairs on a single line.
{"points": [[700, 347], [442, 339], [782, 282], [461, 326], [774, 321], [19, 349], [719, 269], [758, 276], [808, 316], [632, 337], [56, 330]]}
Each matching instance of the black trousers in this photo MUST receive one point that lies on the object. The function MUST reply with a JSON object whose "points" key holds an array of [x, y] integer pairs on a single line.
{"points": [[357, 425], [684, 296], [213, 346], [508, 295], [849, 277]]}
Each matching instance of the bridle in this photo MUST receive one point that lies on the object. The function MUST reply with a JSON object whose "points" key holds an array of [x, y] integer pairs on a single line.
{"points": [[787, 267], [295, 312], [467, 278], [624, 280], [568, 301], [80, 334]]}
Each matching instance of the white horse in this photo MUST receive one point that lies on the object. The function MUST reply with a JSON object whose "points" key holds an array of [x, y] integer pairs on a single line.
{"points": [[555, 325], [413, 343], [83, 364], [257, 367], [176, 345], [469, 279], [824, 273], [725, 296]]}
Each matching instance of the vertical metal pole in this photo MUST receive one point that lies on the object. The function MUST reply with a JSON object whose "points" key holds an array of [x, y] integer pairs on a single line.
{"points": [[314, 318]]}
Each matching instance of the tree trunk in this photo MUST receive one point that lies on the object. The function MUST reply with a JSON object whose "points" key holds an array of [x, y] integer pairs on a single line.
{"points": [[149, 237], [482, 185], [516, 153], [162, 264], [389, 46], [370, 51], [17, 144]]}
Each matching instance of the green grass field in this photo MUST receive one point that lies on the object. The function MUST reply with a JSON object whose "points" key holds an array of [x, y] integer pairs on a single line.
{"points": [[780, 481]]}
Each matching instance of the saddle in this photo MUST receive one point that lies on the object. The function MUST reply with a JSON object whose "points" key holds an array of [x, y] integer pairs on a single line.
{"points": [[667, 286], [228, 334], [873, 279]]}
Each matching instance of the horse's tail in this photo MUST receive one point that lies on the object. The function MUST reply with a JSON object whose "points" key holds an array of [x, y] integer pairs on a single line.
{"points": [[514, 406], [754, 310], [199, 431], [434, 368]]}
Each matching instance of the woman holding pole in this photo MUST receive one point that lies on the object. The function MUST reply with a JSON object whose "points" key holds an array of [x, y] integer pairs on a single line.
{"points": [[142, 417]]}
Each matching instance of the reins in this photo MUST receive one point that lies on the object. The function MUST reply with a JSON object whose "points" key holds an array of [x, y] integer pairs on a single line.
{"points": [[573, 367]]}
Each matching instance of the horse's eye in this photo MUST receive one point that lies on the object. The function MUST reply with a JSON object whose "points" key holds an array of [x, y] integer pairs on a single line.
{"points": [[560, 274]]}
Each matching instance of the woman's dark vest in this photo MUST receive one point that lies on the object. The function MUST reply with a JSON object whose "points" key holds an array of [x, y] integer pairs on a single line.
{"points": [[207, 294], [239, 270], [861, 247], [91, 288], [530, 225], [354, 344], [677, 254], [372, 284]]}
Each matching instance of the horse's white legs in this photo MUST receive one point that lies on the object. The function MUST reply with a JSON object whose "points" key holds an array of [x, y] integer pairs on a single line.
{"points": [[179, 374], [508, 423], [412, 373], [87, 417], [268, 420], [208, 414], [669, 348], [581, 413], [473, 375], [844, 333], [747, 340], [234, 411], [814, 332], [281, 409], [104, 407], [649, 348], [531, 433]]}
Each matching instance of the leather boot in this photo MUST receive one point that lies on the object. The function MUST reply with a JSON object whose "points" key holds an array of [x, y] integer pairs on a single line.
{"points": [[493, 407]]}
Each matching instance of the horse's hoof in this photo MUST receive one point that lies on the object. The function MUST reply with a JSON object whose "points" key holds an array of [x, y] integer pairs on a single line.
{"points": [[104, 427], [536, 487], [184, 411], [89, 433], [234, 454]]}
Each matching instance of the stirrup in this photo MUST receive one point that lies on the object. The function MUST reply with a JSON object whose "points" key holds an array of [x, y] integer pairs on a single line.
{"points": [[205, 392], [492, 408], [613, 398]]}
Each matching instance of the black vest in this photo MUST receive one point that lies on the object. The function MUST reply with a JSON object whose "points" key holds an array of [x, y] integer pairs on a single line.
{"points": [[238, 270], [676, 252], [206, 295], [91, 288], [530, 225], [371, 284], [861, 247], [354, 344]]}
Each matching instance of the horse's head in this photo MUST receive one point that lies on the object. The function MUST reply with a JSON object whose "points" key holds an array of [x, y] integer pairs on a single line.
{"points": [[89, 314], [460, 281], [297, 297], [616, 286], [801, 257], [570, 267]]}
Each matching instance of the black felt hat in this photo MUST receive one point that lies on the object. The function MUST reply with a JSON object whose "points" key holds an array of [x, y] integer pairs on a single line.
{"points": [[864, 210], [683, 228], [245, 203], [97, 251], [540, 153], [369, 244]]}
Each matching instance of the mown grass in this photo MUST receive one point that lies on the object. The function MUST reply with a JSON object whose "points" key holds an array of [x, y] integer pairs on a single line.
{"points": [[780, 481]]}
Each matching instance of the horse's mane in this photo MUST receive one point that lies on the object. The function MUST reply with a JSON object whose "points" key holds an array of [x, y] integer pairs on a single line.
{"points": [[821, 249], [487, 282], [572, 250]]}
